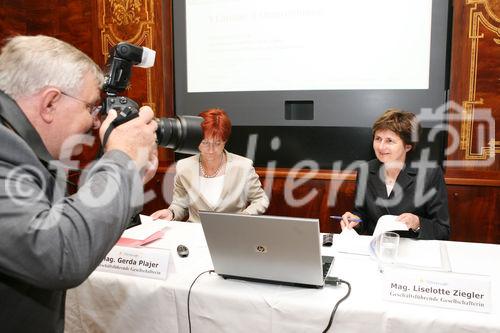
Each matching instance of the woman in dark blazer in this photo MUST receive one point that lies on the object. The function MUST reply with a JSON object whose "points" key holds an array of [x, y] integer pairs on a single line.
{"points": [[390, 185]]}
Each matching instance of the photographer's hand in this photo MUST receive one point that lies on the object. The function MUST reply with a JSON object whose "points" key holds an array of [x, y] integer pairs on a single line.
{"points": [[136, 137], [152, 166]]}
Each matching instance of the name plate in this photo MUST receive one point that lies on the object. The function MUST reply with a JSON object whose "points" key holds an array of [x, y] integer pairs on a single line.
{"points": [[449, 290], [138, 261]]}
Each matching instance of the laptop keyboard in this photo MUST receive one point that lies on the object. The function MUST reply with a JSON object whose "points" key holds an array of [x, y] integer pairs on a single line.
{"points": [[327, 262]]}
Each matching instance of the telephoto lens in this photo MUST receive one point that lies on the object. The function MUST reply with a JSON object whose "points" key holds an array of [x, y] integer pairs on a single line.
{"points": [[181, 133]]}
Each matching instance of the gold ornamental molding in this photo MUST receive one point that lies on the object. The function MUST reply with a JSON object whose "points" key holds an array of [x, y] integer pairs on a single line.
{"points": [[478, 22], [131, 21]]}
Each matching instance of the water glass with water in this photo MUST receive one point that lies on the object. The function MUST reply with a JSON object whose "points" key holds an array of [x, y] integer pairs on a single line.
{"points": [[387, 249]]}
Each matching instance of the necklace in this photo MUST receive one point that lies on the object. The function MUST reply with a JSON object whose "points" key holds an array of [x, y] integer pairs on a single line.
{"points": [[205, 174]]}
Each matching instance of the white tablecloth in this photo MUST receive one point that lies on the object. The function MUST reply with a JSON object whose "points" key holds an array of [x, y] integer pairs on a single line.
{"points": [[109, 302]]}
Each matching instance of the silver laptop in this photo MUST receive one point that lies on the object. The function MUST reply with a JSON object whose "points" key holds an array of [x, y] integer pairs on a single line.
{"points": [[268, 248]]}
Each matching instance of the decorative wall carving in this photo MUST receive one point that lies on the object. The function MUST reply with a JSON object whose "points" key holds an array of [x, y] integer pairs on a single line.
{"points": [[484, 35], [125, 11]]}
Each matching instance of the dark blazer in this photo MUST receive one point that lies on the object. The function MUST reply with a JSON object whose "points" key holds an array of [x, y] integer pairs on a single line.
{"points": [[427, 198]]}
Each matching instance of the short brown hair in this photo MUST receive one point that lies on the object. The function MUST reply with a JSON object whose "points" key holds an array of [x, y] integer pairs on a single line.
{"points": [[403, 123], [216, 124]]}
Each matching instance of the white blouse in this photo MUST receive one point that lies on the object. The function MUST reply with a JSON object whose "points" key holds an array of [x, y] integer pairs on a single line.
{"points": [[389, 188], [211, 189]]}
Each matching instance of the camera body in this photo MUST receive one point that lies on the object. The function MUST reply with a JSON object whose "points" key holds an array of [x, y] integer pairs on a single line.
{"points": [[181, 133], [125, 108]]}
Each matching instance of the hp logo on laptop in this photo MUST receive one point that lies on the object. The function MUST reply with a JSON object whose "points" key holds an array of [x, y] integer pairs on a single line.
{"points": [[261, 249]]}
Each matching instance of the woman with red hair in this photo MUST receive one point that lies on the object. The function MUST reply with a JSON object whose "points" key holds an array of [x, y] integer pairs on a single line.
{"points": [[214, 179]]}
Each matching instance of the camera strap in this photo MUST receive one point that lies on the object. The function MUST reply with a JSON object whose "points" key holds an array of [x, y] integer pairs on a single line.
{"points": [[121, 118]]}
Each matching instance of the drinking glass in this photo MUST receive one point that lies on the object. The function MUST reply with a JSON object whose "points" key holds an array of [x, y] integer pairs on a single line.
{"points": [[387, 249]]}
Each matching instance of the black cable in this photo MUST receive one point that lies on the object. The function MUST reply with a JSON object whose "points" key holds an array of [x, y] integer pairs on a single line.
{"points": [[189, 295], [337, 281]]}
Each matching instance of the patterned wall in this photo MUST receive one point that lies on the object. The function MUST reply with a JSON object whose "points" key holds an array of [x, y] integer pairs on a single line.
{"points": [[475, 86]]}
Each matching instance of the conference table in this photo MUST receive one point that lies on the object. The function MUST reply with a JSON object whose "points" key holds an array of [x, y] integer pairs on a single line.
{"points": [[111, 302]]}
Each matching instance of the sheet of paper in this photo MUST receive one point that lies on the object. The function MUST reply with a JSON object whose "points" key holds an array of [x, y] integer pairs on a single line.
{"points": [[146, 219], [430, 254], [413, 253], [388, 223], [349, 241], [144, 230]]}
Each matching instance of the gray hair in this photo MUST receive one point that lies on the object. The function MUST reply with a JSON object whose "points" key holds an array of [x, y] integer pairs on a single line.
{"points": [[30, 63]]}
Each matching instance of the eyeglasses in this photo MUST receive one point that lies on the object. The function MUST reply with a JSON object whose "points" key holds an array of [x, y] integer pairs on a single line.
{"points": [[216, 144], [93, 108]]}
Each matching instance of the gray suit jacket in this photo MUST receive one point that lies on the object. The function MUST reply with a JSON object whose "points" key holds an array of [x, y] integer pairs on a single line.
{"points": [[50, 242], [242, 191]]}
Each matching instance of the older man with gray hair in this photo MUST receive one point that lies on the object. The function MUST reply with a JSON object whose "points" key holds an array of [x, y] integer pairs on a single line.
{"points": [[49, 242]]}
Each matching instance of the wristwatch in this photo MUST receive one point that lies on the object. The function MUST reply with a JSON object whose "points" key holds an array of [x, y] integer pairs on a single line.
{"points": [[417, 229], [173, 214]]}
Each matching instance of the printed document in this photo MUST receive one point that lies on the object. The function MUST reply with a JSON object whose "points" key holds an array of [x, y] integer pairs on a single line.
{"points": [[388, 223], [412, 253], [144, 233]]}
